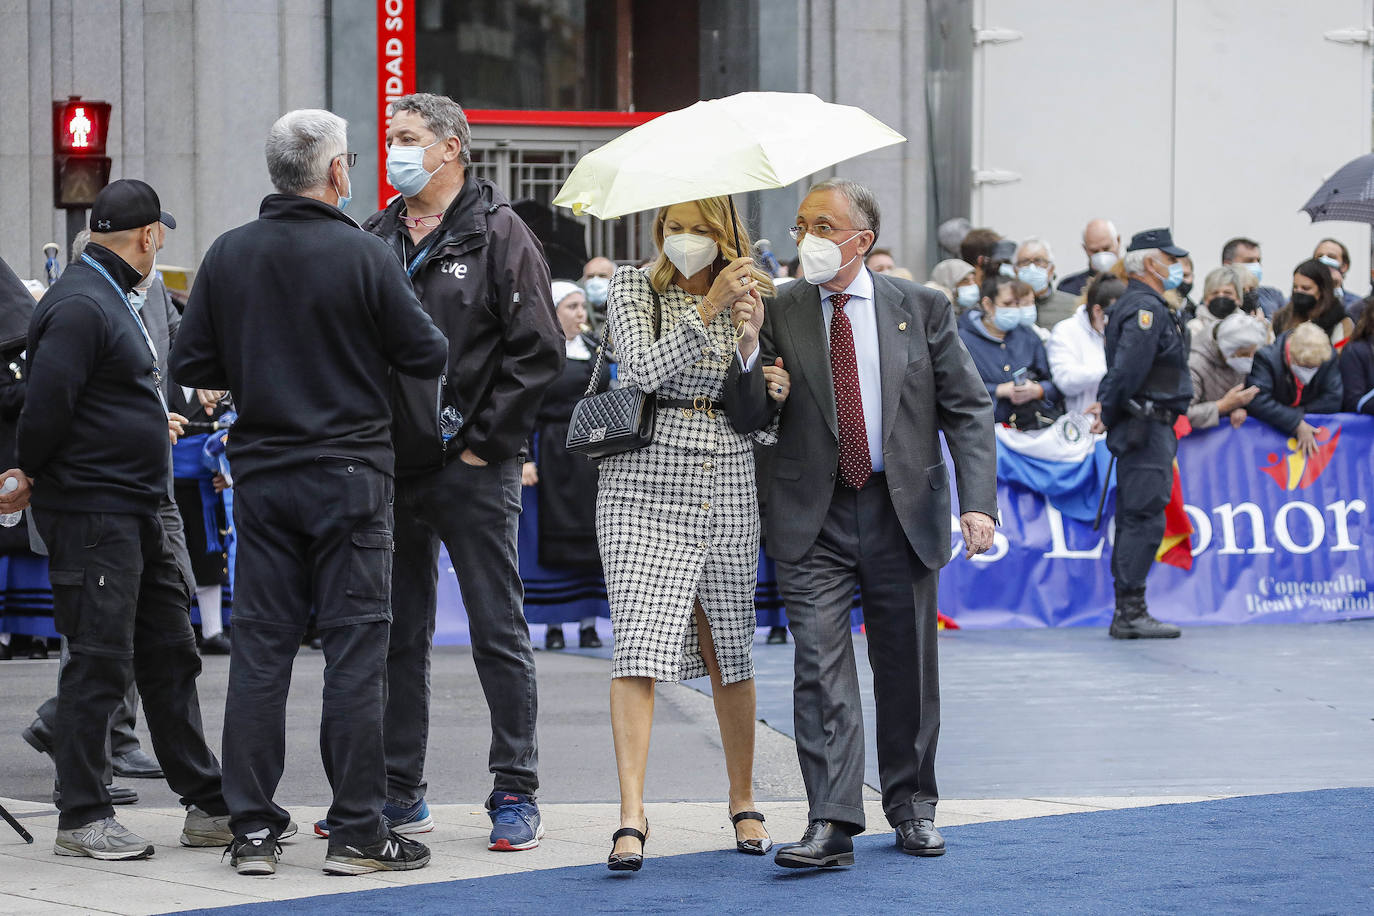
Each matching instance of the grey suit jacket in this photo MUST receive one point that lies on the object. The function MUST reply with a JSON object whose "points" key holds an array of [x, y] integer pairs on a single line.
{"points": [[929, 386]]}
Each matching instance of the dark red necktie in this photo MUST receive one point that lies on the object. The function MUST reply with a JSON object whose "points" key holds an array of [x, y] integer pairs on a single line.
{"points": [[856, 464]]}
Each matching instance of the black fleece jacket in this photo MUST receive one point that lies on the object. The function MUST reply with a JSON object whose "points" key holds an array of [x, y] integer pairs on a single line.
{"points": [[93, 431], [303, 316]]}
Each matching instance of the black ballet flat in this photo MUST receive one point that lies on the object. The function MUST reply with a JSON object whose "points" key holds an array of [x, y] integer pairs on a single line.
{"points": [[751, 847], [628, 861]]}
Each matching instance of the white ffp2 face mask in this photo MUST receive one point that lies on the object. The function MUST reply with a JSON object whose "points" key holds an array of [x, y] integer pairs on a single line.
{"points": [[820, 259], [689, 253], [1242, 364], [1305, 374], [1102, 261]]}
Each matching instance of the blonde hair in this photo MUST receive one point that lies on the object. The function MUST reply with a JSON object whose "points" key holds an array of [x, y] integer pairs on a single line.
{"points": [[715, 213], [1308, 345]]}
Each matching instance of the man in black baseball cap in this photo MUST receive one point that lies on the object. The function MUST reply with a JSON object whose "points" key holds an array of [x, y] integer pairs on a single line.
{"points": [[1146, 387], [128, 204], [93, 460]]}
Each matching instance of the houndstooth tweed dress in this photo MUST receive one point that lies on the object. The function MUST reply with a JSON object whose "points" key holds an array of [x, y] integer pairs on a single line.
{"points": [[678, 519]]}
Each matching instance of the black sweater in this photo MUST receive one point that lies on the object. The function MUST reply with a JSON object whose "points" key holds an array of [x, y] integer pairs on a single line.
{"points": [[302, 315], [93, 431]]}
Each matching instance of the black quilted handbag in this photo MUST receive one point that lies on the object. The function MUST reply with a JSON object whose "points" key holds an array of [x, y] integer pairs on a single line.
{"points": [[615, 421]]}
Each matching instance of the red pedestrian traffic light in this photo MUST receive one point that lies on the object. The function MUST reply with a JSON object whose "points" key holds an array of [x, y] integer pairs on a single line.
{"points": [[80, 167]]}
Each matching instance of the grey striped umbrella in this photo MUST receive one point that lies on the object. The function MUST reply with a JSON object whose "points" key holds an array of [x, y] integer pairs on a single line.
{"points": [[1347, 195]]}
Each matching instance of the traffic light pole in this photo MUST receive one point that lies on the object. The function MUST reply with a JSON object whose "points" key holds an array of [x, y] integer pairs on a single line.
{"points": [[76, 221]]}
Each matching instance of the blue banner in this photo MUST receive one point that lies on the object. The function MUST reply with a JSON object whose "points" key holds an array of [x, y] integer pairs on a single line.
{"points": [[1278, 538]]}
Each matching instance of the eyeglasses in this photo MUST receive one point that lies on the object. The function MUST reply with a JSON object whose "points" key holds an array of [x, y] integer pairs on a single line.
{"points": [[1043, 263], [821, 230], [350, 159]]}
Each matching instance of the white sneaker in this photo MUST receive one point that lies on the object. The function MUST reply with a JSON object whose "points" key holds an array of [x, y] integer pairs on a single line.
{"points": [[107, 839]]}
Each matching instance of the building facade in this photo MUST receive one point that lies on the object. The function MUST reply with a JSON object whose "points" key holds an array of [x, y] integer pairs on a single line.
{"points": [[195, 84]]}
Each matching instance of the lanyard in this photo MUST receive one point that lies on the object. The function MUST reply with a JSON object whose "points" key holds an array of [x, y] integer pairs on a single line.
{"points": [[157, 370], [419, 258]]}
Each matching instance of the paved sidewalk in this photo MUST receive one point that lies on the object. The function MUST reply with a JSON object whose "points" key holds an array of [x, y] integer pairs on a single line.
{"points": [[34, 881]]}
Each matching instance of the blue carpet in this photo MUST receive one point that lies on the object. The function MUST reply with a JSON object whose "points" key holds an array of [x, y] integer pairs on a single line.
{"points": [[1307, 852]]}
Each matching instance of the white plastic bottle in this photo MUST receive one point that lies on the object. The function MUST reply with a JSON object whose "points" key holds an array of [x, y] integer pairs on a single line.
{"points": [[10, 519]]}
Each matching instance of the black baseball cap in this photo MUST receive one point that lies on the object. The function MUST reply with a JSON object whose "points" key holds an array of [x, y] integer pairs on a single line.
{"points": [[1162, 239], [127, 204]]}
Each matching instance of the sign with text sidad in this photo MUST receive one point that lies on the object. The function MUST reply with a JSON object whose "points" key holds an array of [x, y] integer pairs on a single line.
{"points": [[395, 74], [1278, 538]]}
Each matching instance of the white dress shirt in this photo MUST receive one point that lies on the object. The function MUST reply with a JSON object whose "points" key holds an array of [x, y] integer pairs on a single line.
{"points": [[863, 318]]}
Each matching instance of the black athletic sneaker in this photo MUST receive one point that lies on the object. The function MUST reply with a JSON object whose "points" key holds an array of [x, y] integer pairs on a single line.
{"points": [[255, 855], [392, 852]]}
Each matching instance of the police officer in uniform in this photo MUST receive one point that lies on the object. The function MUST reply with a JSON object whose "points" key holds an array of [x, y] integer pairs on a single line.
{"points": [[1146, 387]]}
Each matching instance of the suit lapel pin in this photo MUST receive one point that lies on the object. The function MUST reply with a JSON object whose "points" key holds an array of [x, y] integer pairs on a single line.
{"points": [[902, 326]]}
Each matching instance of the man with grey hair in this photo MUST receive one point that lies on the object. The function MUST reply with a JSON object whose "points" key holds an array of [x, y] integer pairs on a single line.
{"points": [[887, 374], [1102, 245], [305, 318], [481, 275], [1146, 387], [1035, 268]]}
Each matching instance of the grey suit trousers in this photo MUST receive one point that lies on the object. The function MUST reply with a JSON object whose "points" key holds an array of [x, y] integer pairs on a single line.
{"points": [[861, 544]]}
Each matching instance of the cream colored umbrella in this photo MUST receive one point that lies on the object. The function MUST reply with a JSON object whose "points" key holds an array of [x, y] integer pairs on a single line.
{"points": [[746, 142]]}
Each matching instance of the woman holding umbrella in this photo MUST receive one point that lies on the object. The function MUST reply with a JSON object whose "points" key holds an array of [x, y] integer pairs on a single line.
{"points": [[678, 521]]}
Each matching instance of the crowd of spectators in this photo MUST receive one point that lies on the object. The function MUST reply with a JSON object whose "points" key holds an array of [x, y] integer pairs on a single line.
{"points": [[1256, 350]]}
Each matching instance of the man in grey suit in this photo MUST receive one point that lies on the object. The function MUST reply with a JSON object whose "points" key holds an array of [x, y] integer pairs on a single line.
{"points": [[877, 373]]}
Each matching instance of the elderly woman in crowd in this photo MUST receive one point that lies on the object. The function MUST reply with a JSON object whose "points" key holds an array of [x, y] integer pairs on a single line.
{"points": [[559, 562], [1010, 357], [1075, 350], [1357, 367], [678, 521], [1296, 375], [960, 278], [1315, 299], [1219, 362], [1223, 291]]}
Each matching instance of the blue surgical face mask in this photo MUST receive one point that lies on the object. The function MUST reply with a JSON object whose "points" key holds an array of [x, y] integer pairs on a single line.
{"points": [[405, 168], [137, 298], [1029, 314], [1175, 278], [1256, 268], [1330, 262], [597, 289], [345, 198], [1034, 276], [1005, 319], [967, 296]]}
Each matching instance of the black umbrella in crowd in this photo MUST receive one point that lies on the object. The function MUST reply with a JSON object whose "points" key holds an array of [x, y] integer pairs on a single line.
{"points": [[1348, 195]]}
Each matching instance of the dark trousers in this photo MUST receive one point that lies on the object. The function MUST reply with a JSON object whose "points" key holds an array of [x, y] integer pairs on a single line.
{"points": [[475, 512], [862, 543], [123, 738], [319, 536], [124, 606], [1144, 452]]}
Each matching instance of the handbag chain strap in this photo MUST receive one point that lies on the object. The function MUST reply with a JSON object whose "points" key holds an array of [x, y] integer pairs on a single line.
{"points": [[605, 333]]}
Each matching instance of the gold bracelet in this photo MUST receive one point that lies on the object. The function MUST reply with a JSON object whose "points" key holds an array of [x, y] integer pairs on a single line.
{"points": [[706, 300]]}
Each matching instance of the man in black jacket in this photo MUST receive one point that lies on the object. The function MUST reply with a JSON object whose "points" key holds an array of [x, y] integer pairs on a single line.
{"points": [[304, 317], [1146, 387], [93, 440], [481, 275]]}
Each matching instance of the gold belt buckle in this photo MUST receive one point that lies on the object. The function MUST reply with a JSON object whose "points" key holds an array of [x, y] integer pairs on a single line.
{"points": [[702, 404]]}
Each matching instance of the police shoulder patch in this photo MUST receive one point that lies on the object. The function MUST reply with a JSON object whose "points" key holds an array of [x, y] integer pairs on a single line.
{"points": [[1145, 318]]}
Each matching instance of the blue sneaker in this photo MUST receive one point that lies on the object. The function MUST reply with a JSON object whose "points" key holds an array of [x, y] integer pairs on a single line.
{"points": [[515, 823], [405, 821], [408, 821]]}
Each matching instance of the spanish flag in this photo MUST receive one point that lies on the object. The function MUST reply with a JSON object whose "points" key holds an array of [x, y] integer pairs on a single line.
{"points": [[1177, 547]]}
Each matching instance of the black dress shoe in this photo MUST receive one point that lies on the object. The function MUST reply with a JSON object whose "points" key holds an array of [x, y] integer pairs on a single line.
{"points": [[824, 845], [587, 638], [136, 765], [553, 638], [118, 795], [919, 837], [39, 737], [777, 636], [215, 645]]}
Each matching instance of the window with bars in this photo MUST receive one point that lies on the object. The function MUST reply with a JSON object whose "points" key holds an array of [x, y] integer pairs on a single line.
{"points": [[536, 170]]}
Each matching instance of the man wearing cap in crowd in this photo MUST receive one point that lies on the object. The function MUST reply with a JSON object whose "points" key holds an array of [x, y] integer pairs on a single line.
{"points": [[93, 445], [1145, 389]]}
